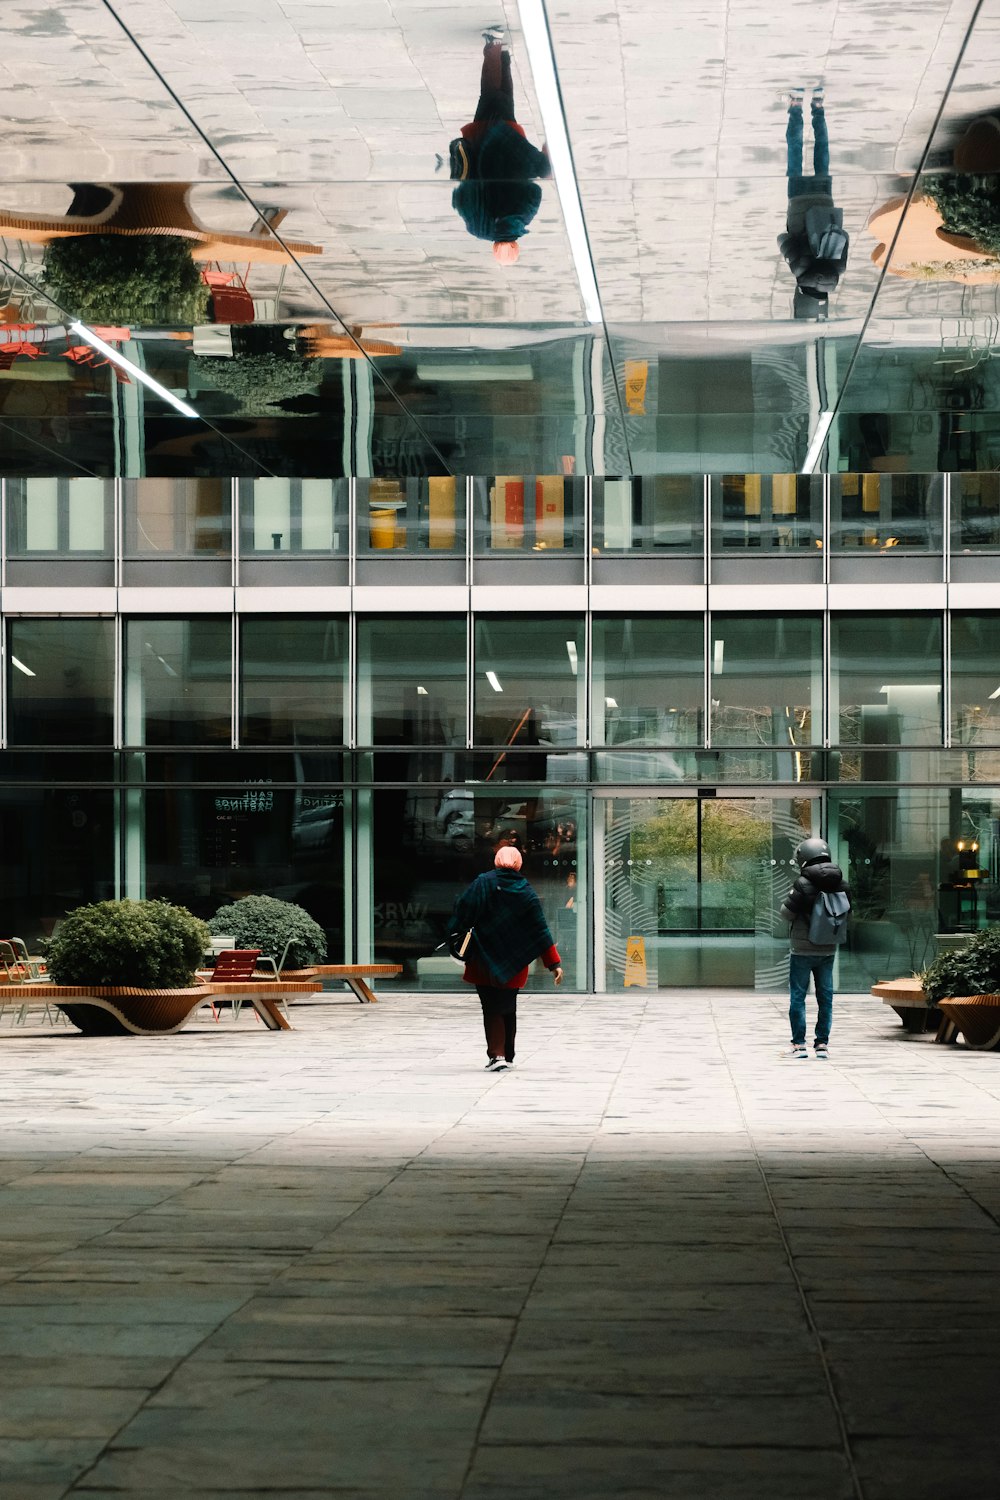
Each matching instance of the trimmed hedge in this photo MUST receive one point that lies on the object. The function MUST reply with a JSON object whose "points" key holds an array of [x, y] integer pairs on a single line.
{"points": [[149, 944], [268, 924]]}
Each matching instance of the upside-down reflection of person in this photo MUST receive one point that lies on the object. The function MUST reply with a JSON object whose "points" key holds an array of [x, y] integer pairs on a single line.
{"points": [[495, 163], [815, 242]]}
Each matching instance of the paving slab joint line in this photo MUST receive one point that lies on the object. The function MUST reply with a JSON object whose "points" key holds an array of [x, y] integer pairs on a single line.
{"points": [[790, 1260], [477, 1441], [254, 1292]]}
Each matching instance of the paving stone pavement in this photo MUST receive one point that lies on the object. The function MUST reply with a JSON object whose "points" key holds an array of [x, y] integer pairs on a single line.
{"points": [[657, 1258]]}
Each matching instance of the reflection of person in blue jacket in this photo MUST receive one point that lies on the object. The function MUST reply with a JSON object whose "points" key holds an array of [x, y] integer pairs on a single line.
{"points": [[815, 242], [495, 163]]}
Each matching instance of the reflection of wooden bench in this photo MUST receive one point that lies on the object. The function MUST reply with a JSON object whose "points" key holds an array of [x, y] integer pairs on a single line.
{"points": [[353, 975], [977, 1017], [111, 1010], [907, 999], [157, 208]]}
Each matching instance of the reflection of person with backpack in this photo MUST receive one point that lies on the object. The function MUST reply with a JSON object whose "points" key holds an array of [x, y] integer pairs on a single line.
{"points": [[495, 163], [816, 909], [815, 242]]}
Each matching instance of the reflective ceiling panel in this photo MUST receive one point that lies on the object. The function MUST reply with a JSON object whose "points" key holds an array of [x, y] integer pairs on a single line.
{"points": [[324, 184]]}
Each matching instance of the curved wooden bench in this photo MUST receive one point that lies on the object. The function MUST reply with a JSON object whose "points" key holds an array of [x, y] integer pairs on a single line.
{"points": [[114, 1010], [977, 1017], [353, 975], [906, 997]]}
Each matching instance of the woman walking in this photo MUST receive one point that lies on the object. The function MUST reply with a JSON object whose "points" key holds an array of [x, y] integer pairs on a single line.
{"points": [[509, 933]]}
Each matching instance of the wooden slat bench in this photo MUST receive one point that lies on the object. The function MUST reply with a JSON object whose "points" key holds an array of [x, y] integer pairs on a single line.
{"points": [[977, 1017], [110, 1010], [353, 975], [907, 999]]}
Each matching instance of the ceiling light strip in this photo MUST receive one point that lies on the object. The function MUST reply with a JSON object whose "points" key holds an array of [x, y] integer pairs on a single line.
{"points": [[538, 42], [111, 353]]}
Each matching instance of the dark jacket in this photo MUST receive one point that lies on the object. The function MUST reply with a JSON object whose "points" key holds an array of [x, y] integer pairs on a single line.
{"points": [[821, 875], [498, 198], [817, 252], [497, 210], [509, 930]]}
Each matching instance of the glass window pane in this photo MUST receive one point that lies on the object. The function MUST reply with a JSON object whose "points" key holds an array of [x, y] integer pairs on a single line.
{"points": [[293, 680], [68, 517], [411, 515], [649, 680], [975, 678], [886, 679], [60, 682], [530, 680], [58, 852], [429, 842], [886, 513], [294, 515], [412, 681], [773, 513], [178, 682], [167, 518], [767, 680], [205, 847], [662, 513], [975, 512], [529, 513]]}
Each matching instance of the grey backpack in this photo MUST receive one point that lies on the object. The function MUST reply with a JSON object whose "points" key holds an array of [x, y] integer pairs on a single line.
{"points": [[828, 922]]}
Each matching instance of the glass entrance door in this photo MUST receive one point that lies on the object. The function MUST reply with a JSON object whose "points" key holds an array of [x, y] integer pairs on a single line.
{"points": [[692, 886]]}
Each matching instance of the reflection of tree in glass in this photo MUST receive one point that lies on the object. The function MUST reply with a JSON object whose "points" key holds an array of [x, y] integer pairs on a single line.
{"points": [[731, 832], [265, 368]]}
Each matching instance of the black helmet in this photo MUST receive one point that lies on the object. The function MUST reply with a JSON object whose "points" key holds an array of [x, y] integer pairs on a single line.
{"points": [[811, 850]]}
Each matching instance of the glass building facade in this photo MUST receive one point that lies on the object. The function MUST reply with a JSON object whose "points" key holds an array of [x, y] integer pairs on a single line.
{"points": [[332, 691]]}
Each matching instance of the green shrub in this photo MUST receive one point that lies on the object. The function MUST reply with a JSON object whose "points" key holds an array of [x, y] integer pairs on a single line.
{"points": [[969, 204], [142, 279], [150, 944], [974, 970], [265, 923]]}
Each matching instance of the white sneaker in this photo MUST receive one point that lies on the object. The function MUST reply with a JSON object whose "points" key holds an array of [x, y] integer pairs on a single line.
{"points": [[822, 1052], [491, 1066], [501, 1065], [797, 1049]]}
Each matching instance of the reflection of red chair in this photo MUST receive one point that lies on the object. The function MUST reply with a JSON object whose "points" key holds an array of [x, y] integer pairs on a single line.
{"points": [[13, 343], [86, 354], [231, 302]]}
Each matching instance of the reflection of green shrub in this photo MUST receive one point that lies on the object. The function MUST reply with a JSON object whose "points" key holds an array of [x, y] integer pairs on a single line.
{"points": [[268, 924], [969, 204], [150, 944], [141, 279], [974, 970], [258, 380]]}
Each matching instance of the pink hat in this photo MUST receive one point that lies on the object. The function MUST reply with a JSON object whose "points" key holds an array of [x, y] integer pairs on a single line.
{"points": [[507, 858], [506, 251]]}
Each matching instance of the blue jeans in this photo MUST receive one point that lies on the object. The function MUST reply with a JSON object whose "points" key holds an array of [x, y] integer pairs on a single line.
{"points": [[800, 966], [821, 142]]}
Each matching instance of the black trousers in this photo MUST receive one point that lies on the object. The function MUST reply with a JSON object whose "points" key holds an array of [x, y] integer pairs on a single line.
{"points": [[499, 1020], [496, 89]]}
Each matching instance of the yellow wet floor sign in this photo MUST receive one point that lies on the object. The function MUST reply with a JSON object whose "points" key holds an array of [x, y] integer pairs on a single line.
{"points": [[635, 962]]}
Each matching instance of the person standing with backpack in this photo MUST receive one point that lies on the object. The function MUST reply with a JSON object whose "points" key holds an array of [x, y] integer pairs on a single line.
{"points": [[816, 909]]}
